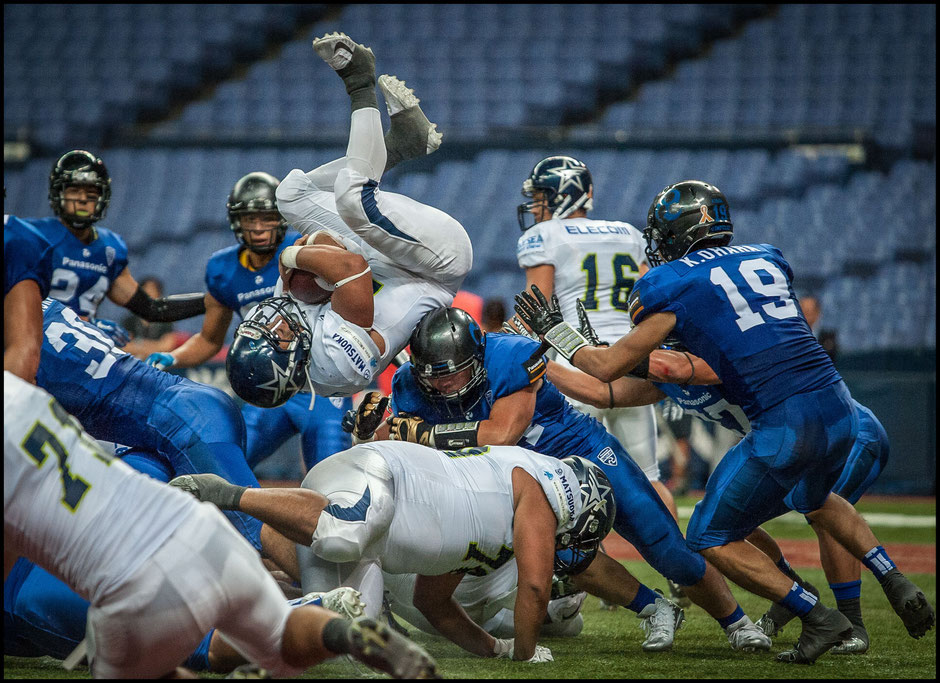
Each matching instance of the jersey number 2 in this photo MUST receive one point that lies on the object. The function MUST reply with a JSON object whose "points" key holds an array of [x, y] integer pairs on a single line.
{"points": [[748, 318]]}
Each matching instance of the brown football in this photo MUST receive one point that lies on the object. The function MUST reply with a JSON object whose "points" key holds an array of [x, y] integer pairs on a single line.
{"points": [[303, 285]]}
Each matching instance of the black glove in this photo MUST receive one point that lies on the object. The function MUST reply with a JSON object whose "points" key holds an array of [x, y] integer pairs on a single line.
{"points": [[536, 312], [362, 422], [411, 428], [585, 327]]}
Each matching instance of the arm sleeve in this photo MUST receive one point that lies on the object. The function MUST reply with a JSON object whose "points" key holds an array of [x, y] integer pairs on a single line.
{"points": [[166, 309]]}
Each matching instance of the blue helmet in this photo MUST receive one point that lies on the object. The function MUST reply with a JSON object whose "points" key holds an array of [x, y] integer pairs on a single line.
{"points": [[576, 548], [447, 341], [566, 183], [267, 362]]}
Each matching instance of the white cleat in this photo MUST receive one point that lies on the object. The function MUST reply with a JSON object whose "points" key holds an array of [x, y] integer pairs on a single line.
{"points": [[336, 49], [344, 600], [745, 636], [661, 620], [399, 98]]}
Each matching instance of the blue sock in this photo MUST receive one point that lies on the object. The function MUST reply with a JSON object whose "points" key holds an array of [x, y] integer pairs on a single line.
{"points": [[736, 615], [878, 562], [799, 600], [644, 597], [846, 591]]}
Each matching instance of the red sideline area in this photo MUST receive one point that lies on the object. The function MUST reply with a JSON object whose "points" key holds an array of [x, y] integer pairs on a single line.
{"points": [[911, 558]]}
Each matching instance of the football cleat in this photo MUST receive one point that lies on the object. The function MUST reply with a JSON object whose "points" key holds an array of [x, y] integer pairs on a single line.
{"points": [[355, 63], [909, 603], [745, 636], [246, 671], [567, 607], [677, 595], [823, 629], [378, 646], [345, 601], [774, 619], [410, 134], [660, 622], [851, 646]]}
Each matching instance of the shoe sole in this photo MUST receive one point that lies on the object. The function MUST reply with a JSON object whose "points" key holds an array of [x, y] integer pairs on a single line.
{"points": [[918, 616], [378, 646], [325, 47]]}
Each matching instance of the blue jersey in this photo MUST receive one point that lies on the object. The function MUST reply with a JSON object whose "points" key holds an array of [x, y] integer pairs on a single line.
{"points": [[82, 273], [735, 308], [708, 403], [557, 429], [26, 255], [238, 288]]}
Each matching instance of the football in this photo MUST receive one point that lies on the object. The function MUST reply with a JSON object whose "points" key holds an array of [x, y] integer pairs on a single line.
{"points": [[302, 284]]}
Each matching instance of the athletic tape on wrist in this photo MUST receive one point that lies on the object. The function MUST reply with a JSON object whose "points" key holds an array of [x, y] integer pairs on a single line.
{"points": [[289, 256], [565, 339]]}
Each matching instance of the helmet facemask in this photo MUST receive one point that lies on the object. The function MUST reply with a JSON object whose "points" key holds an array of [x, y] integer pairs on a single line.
{"points": [[79, 168], [254, 194], [576, 547], [457, 402]]}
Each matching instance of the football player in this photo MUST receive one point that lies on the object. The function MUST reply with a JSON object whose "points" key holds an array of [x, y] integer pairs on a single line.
{"points": [[866, 461], [27, 279], [238, 278], [734, 307], [79, 513], [566, 253], [88, 262], [408, 509], [386, 258], [186, 426], [463, 387]]}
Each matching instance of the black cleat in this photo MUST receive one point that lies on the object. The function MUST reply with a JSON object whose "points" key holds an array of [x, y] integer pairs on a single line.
{"points": [[909, 602], [375, 644], [823, 628], [774, 619]]}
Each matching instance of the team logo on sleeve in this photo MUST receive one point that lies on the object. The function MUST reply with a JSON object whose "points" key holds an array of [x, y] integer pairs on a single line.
{"points": [[109, 255], [607, 457], [535, 365]]}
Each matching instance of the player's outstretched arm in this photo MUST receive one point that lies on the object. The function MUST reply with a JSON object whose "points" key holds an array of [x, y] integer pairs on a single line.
{"points": [[125, 291], [623, 392], [434, 598], [204, 344], [680, 367]]}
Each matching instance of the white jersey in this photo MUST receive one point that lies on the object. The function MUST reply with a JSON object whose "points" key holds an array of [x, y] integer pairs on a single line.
{"points": [[449, 510], [595, 261], [59, 494]]}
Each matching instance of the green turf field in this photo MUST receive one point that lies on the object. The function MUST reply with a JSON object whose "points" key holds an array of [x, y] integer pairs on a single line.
{"points": [[609, 646]]}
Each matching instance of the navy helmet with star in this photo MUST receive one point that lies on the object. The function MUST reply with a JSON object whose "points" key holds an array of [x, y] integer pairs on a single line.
{"points": [[564, 184]]}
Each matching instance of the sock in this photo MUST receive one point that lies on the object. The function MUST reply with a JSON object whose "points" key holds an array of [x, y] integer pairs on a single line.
{"points": [[846, 591], [732, 618], [644, 597], [878, 562], [336, 635], [852, 609], [360, 86], [799, 600]]}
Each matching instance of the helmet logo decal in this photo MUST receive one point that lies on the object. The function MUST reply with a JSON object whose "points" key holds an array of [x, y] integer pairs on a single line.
{"points": [[570, 175], [280, 378], [705, 217], [667, 201]]}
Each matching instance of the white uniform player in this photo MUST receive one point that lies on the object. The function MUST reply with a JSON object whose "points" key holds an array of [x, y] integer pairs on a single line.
{"points": [[159, 568], [598, 262]]}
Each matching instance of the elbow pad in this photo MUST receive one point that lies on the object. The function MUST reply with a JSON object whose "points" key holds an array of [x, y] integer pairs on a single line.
{"points": [[166, 309], [642, 370]]}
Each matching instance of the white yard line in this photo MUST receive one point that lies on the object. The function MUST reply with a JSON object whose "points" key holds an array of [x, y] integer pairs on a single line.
{"points": [[874, 518]]}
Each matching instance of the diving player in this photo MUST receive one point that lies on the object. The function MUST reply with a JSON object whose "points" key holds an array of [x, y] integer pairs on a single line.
{"points": [[187, 426], [463, 388], [80, 513], [88, 262], [26, 282], [734, 307], [407, 509], [237, 278], [387, 258]]}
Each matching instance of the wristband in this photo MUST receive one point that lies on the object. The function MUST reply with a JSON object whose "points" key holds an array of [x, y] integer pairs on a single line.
{"points": [[455, 435], [565, 339], [289, 256], [610, 389], [692, 365]]}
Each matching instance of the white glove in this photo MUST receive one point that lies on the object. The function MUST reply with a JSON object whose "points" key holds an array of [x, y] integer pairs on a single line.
{"points": [[503, 648], [672, 411], [542, 654]]}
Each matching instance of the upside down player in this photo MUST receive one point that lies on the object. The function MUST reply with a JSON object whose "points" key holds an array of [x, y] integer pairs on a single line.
{"points": [[237, 278], [387, 258], [79, 512], [735, 308], [464, 387], [706, 400], [88, 262], [406, 509]]}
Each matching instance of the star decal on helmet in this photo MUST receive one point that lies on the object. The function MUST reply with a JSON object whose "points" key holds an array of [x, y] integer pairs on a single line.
{"points": [[281, 379], [570, 174]]}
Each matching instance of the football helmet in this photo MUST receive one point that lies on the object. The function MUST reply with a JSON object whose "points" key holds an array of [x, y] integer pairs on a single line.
{"points": [[267, 361], [79, 167], [576, 548], [566, 183], [682, 216], [445, 342], [254, 193]]}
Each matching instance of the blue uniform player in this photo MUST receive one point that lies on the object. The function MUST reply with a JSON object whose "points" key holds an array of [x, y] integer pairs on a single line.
{"points": [[88, 262], [734, 307], [188, 427], [708, 402], [26, 282], [238, 278], [464, 388]]}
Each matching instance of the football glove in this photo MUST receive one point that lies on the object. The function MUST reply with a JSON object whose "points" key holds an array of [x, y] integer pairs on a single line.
{"points": [[545, 320], [504, 650], [585, 327], [672, 411], [161, 361], [411, 428], [514, 326], [362, 422], [117, 333]]}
